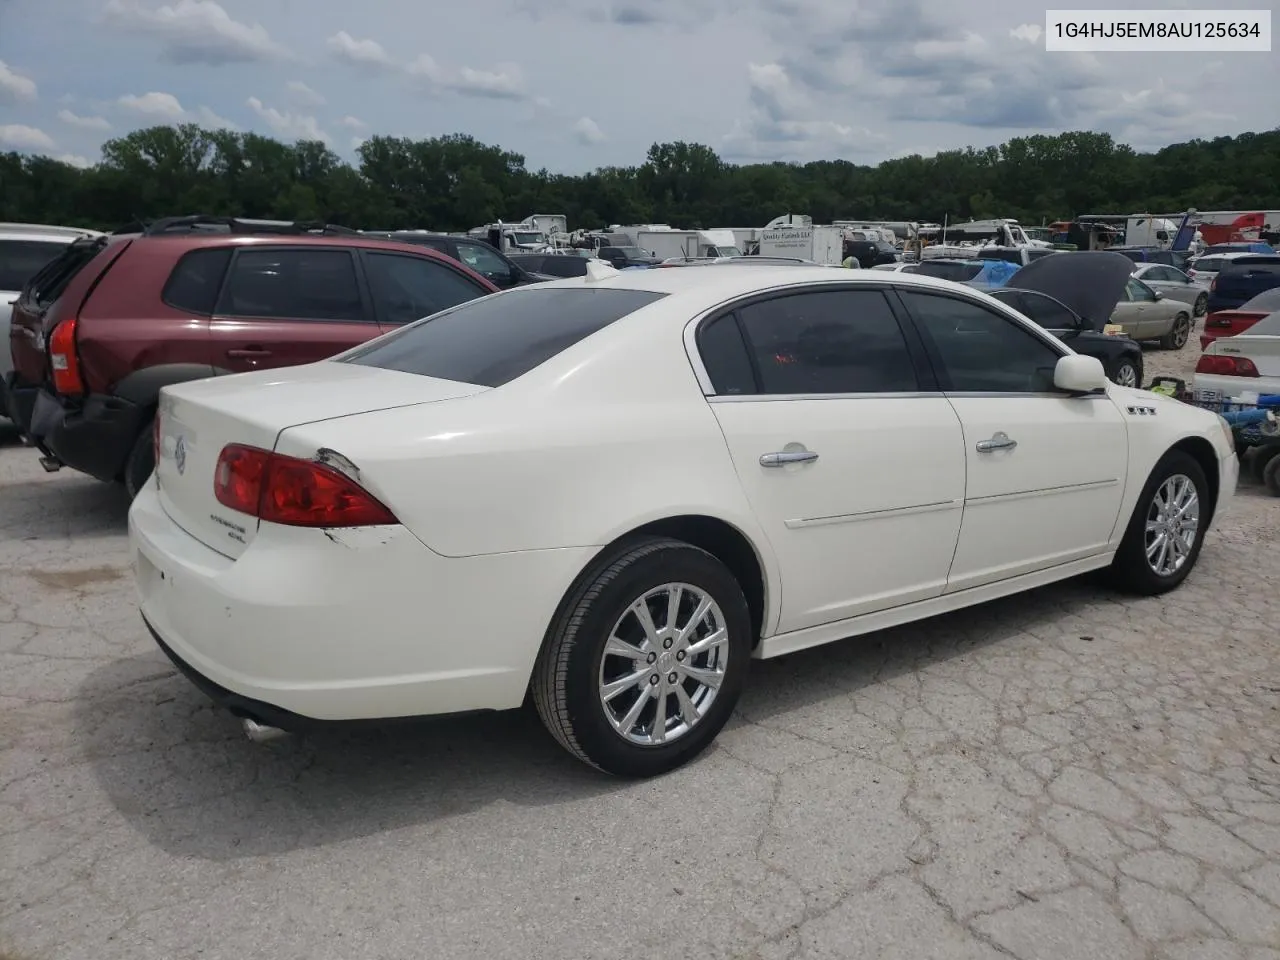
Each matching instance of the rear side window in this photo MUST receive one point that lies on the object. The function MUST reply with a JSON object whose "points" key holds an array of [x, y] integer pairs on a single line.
{"points": [[293, 284], [195, 281], [724, 354], [54, 277], [496, 339], [20, 260], [838, 341]]}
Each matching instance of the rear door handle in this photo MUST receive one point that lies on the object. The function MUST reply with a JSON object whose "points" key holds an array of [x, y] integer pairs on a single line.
{"points": [[783, 457], [999, 441], [249, 352]]}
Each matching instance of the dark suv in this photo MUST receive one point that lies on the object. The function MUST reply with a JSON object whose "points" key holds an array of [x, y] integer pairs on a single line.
{"points": [[100, 329], [476, 254]]}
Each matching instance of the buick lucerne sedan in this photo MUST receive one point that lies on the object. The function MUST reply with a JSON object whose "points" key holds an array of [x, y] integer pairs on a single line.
{"points": [[612, 492]]}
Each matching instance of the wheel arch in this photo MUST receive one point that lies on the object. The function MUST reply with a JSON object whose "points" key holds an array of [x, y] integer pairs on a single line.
{"points": [[1201, 451]]}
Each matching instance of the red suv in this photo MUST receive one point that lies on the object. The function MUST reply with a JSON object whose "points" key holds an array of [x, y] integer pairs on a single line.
{"points": [[99, 330]]}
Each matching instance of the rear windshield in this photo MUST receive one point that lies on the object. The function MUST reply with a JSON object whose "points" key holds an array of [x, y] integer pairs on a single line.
{"points": [[956, 272], [49, 282], [20, 260], [1008, 256], [1258, 264], [495, 339]]}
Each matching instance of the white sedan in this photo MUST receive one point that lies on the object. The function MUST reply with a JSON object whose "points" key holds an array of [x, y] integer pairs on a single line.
{"points": [[612, 492]]}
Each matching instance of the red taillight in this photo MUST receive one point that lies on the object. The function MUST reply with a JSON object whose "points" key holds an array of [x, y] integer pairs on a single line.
{"points": [[63, 360], [1213, 284], [293, 492], [1221, 366]]}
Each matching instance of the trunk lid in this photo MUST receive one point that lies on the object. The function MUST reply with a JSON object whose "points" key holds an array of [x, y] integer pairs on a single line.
{"points": [[199, 418], [55, 293]]}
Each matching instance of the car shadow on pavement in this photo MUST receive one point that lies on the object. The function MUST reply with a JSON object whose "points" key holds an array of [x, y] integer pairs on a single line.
{"points": [[182, 772], [61, 506]]}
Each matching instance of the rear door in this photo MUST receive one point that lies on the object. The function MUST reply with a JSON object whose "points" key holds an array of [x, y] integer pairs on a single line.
{"points": [[404, 288], [284, 305]]}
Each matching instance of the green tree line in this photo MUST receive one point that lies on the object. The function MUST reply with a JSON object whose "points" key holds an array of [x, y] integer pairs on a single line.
{"points": [[455, 182]]}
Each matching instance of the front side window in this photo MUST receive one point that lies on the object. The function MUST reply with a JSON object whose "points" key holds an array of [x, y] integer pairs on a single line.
{"points": [[980, 351], [484, 261], [407, 288], [284, 284], [836, 341]]}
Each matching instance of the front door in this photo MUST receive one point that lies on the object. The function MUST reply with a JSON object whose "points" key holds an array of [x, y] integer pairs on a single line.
{"points": [[1045, 471], [282, 306], [852, 463]]}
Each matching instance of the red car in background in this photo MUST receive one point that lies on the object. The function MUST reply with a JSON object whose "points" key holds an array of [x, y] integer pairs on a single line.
{"points": [[1228, 323], [101, 328]]}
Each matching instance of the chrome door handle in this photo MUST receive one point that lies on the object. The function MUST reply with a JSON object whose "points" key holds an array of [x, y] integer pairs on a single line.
{"points": [[999, 441], [782, 458]]}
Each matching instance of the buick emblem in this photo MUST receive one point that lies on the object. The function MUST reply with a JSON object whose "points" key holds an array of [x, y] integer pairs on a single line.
{"points": [[180, 455]]}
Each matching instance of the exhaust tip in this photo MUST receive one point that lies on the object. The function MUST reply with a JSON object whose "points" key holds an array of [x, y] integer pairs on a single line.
{"points": [[260, 732]]}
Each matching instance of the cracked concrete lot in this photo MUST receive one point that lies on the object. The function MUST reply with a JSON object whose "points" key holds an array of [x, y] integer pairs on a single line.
{"points": [[1067, 774]]}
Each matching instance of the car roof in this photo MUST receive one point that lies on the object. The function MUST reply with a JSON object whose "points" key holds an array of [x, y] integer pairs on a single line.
{"points": [[199, 240], [44, 232]]}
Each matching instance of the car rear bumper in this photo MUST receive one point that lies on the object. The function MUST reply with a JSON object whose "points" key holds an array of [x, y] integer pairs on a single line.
{"points": [[93, 435], [325, 625]]}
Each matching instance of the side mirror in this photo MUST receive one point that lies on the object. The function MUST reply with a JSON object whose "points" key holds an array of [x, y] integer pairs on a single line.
{"points": [[1159, 295], [1076, 373]]}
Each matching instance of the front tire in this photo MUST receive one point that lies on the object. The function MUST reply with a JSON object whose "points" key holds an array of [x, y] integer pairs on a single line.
{"points": [[1178, 334], [645, 659], [1165, 533]]}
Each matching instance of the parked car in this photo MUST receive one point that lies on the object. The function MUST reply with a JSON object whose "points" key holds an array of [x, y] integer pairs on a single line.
{"points": [[623, 257], [1170, 258], [1231, 323], [551, 265], [872, 253], [1203, 269], [1019, 255], [1241, 279], [1241, 246], [110, 321], [494, 266], [24, 249], [1144, 314], [985, 273], [1175, 285], [1249, 362], [611, 493]]}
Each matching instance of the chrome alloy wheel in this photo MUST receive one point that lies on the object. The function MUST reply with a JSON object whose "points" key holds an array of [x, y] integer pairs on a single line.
{"points": [[1127, 375], [663, 664], [1173, 521]]}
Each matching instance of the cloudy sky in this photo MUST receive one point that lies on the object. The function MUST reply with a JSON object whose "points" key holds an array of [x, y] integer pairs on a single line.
{"points": [[577, 84]]}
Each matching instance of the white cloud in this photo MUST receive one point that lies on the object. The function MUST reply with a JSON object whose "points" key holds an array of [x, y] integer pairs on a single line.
{"points": [[506, 82], [1030, 32], [352, 123], [291, 126], [303, 95], [357, 142], [84, 123], [197, 31], [360, 53], [161, 107], [19, 136], [14, 86], [75, 160], [588, 132], [154, 104], [783, 125]]}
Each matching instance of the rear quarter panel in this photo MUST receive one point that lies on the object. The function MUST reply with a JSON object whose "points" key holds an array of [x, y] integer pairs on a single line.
{"points": [[606, 437]]}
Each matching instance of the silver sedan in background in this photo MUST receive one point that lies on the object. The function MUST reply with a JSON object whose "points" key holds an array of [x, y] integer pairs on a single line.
{"points": [[1175, 285], [1147, 314]]}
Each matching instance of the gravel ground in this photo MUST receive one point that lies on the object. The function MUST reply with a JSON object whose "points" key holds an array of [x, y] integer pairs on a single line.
{"points": [[1062, 775]]}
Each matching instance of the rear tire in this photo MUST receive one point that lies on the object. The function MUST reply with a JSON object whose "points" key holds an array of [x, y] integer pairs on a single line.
{"points": [[1179, 334], [1262, 458], [1271, 476], [1202, 305], [1137, 567], [142, 461], [587, 697]]}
